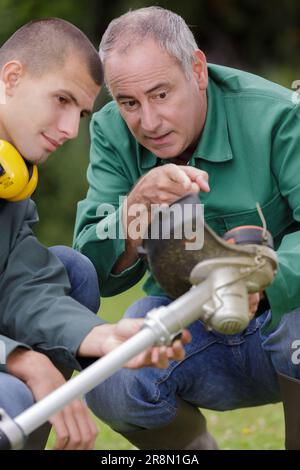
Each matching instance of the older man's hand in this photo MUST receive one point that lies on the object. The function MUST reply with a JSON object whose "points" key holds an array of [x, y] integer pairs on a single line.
{"points": [[162, 185], [254, 300], [165, 184]]}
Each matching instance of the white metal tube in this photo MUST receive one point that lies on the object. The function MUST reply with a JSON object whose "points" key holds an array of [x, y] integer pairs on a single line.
{"points": [[96, 373], [172, 319]]}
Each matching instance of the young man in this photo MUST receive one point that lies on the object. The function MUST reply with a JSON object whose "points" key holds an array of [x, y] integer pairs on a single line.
{"points": [[173, 123], [51, 75]]}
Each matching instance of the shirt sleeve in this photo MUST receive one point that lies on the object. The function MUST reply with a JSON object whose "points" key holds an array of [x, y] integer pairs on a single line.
{"points": [[35, 307], [99, 231], [7, 346]]}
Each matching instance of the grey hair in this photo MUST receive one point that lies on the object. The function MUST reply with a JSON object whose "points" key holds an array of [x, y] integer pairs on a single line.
{"points": [[166, 28]]}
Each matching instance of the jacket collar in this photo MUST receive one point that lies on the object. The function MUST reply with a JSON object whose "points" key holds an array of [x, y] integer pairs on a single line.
{"points": [[214, 144]]}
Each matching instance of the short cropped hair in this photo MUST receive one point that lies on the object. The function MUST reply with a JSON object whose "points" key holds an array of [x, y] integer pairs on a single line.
{"points": [[45, 44], [163, 26]]}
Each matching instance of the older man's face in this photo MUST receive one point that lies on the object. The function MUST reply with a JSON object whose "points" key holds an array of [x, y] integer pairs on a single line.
{"points": [[164, 110]]}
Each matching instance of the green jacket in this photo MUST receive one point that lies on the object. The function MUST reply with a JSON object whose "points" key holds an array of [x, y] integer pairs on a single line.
{"points": [[250, 147], [35, 310]]}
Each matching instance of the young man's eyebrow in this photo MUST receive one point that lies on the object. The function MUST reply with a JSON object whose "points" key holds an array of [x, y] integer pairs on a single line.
{"points": [[119, 96], [86, 112]]}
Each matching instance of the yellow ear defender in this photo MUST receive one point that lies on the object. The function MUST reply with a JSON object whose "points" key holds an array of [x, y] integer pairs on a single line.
{"points": [[17, 180]]}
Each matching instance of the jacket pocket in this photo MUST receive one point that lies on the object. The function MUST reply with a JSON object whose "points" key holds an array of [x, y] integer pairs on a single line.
{"points": [[277, 213]]}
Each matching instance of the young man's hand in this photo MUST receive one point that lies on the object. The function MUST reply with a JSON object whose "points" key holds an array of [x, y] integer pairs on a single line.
{"points": [[103, 339], [73, 425]]}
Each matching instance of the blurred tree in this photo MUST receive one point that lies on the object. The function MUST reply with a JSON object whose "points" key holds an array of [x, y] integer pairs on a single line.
{"points": [[262, 37]]}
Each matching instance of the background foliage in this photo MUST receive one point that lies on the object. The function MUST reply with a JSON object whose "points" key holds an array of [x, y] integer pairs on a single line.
{"points": [[261, 37]]}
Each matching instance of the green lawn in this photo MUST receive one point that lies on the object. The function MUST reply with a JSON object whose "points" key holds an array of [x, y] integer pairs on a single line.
{"points": [[258, 428], [251, 428]]}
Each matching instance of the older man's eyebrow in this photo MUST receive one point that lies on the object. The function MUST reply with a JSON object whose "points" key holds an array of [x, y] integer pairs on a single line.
{"points": [[158, 87], [120, 96], [85, 112]]}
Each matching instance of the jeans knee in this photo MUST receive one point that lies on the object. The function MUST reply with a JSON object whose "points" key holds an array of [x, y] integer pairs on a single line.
{"points": [[112, 408], [127, 402], [75, 262], [15, 396], [142, 306], [82, 276]]}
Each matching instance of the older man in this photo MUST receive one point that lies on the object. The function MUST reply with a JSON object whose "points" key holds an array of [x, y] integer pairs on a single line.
{"points": [[174, 123]]}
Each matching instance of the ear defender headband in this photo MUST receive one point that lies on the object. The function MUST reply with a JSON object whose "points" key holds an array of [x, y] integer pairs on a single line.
{"points": [[17, 181]]}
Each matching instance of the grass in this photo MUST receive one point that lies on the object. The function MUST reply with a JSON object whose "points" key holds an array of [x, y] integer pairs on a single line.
{"points": [[247, 429], [259, 428]]}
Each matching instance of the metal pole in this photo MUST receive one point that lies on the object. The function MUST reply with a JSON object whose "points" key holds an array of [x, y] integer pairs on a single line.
{"points": [[96, 373], [161, 326]]}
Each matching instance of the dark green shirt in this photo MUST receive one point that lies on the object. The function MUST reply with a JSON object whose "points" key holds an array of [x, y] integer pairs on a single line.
{"points": [[35, 309], [250, 147]]}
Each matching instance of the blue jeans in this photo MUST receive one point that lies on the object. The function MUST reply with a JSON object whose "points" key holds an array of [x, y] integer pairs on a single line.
{"points": [[219, 372], [15, 396]]}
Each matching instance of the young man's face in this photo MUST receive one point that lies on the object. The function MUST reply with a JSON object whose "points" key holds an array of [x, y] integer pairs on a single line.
{"points": [[41, 113], [164, 110]]}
